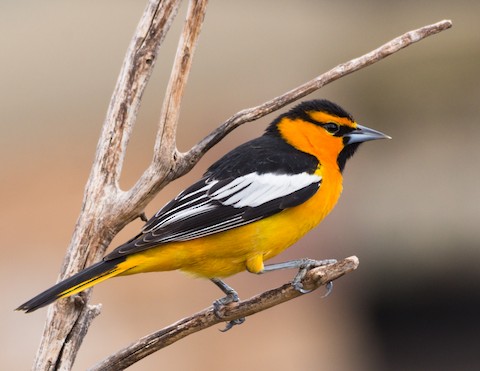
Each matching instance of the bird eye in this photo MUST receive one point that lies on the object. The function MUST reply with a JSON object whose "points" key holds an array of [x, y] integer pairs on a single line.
{"points": [[331, 127]]}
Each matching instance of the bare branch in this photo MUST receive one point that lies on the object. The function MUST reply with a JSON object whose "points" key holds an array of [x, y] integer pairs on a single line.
{"points": [[132, 81], [76, 335], [149, 344], [250, 114], [178, 80], [160, 171], [96, 225]]}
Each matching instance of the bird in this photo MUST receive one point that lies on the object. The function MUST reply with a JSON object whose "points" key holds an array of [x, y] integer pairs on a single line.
{"points": [[249, 206]]}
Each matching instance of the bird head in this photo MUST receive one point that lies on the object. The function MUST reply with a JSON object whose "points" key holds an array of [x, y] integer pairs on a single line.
{"points": [[323, 129]]}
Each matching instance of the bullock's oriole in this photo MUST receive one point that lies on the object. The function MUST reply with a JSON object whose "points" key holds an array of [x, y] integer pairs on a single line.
{"points": [[252, 204]]}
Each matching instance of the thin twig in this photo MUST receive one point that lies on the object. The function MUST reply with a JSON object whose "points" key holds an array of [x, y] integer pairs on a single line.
{"points": [[149, 344], [165, 154], [250, 114], [166, 135]]}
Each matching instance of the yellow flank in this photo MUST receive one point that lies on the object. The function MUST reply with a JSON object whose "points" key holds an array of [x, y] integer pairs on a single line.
{"points": [[247, 247]]}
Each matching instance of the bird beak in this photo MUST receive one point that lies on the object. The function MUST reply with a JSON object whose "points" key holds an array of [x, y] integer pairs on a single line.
{"points": [[362, 134]]}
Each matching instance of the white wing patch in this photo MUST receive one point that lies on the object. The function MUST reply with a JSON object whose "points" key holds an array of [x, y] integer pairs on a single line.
{"points": [[251, 190], [254, 189], [185, 209]]}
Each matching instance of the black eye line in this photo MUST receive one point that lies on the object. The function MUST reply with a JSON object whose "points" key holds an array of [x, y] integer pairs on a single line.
{"points": [[343, 129]]}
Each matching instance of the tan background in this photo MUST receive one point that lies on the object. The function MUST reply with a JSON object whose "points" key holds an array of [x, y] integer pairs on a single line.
{"points": [[410, 209]]}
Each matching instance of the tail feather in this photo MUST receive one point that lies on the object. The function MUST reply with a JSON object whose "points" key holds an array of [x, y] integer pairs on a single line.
{"points": [[74, 284]]}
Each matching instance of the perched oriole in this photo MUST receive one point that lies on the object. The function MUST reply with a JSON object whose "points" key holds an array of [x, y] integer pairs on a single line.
{"points": [[249, 206]]}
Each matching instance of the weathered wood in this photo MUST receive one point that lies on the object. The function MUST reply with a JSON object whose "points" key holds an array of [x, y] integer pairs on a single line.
{"points": [[254, 113], [102, 215], [149, 344]]}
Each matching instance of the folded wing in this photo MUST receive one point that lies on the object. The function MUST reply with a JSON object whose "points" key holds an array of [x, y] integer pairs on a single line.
{"points": [[212, 206]]}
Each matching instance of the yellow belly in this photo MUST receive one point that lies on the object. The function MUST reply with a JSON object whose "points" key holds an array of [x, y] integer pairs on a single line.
{"points": [[247, 247]]}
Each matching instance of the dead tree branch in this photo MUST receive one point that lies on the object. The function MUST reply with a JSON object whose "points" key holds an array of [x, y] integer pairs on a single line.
{"points": [[254, 113], [149, 344], [106, 209], [97, 225]]}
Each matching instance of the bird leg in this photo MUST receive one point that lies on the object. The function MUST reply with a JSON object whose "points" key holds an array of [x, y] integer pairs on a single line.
{"points": [[231, 297], [303, 266]]}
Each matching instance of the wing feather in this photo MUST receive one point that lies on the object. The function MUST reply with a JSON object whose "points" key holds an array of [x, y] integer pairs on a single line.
{"points": [[212, 206]]}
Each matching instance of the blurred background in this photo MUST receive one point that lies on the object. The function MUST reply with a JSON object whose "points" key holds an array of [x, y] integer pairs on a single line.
{"points": [[410, 208]]}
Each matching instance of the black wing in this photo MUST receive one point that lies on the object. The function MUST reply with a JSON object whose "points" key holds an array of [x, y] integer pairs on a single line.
{"points": [[230, 196]]}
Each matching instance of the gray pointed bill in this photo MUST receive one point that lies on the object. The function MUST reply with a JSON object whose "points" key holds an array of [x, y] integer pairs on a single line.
{"points": [[363, 134]]}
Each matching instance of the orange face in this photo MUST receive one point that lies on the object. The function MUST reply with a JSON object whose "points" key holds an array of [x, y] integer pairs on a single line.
{"points": [[314, 139]]}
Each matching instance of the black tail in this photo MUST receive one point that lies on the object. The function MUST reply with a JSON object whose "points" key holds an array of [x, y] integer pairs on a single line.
{"points": [[72, 285]]}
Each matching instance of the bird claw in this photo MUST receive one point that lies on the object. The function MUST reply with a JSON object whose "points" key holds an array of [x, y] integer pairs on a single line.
{"points": [[297, 280], [308, 264], [230, 324], [329, 287], [298, 286], [231, 297]]}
